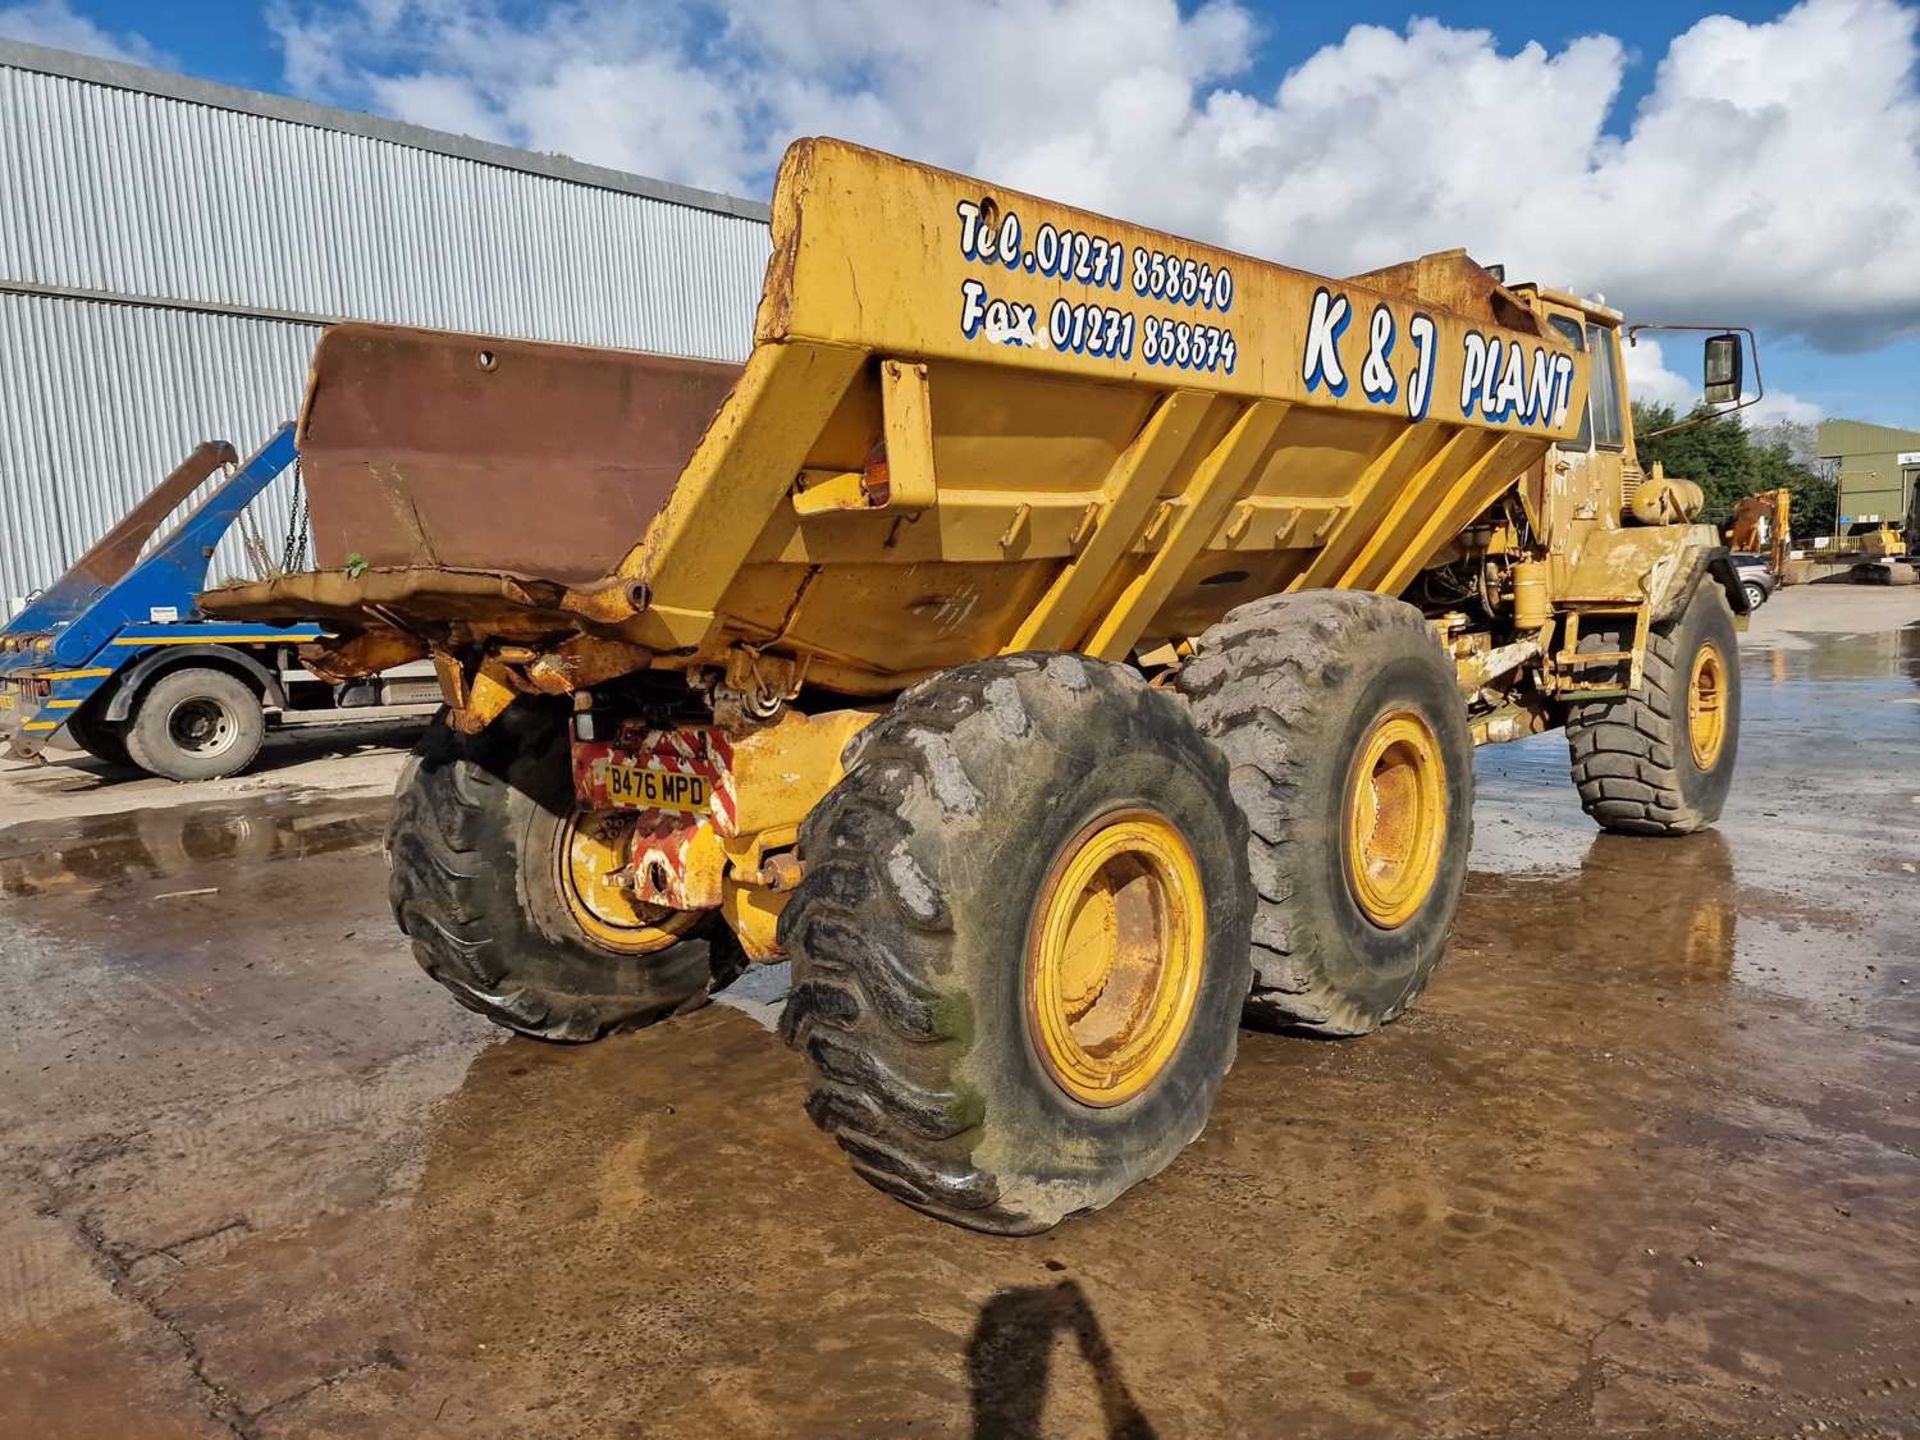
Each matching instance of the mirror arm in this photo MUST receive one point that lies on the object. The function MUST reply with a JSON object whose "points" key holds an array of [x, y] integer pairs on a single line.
{"points": [[1753, 349]]}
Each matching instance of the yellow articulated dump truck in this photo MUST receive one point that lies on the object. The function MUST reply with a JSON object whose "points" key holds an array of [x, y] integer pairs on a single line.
{"points": [[1059, 639]]}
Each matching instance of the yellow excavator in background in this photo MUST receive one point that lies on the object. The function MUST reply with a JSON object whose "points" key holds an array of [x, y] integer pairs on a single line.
{"points": [[1761, 527]]}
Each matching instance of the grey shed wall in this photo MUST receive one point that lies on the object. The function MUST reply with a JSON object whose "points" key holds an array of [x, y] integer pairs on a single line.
{"points": [[170, 249]]}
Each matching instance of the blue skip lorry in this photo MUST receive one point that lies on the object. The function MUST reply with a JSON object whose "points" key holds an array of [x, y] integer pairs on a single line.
{"points": [[117, 654]]}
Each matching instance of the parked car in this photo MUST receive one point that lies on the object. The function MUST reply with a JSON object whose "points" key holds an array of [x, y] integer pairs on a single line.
{"points": [[1757, 576]]}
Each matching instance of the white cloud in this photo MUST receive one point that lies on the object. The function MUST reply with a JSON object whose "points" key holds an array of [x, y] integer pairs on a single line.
{"points": [[1777, 406], [1649, 379], [1771, 176], [53, 23]]}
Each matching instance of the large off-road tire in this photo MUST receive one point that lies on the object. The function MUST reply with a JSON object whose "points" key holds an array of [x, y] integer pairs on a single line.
{"points": [[1020, 949], [1341, 718], [196, 724], [477, 850], [1660, 761], [105, 741]]}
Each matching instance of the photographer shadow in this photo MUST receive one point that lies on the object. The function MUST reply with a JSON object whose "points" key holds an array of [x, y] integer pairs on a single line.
{"points": [[1010, 1361]]}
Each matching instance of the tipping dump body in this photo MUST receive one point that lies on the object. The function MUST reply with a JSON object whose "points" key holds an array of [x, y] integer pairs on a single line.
{"points": [[973, 421], [425, 449]]}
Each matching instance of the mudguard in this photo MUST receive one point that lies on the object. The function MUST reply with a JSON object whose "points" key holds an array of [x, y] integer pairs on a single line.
{"points": [[131, 681]]}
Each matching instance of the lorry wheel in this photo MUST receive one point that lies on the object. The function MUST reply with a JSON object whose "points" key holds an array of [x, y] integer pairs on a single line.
{"points": [[1341, 718], [1020, 948], [1660, 762], [101, 739], [196, 724], [496, 877]]}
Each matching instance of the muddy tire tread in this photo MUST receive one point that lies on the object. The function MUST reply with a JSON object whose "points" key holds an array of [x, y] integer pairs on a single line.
{"points": [[902, 1134], [884, 1037], [1255, 687], [444, 892], [1626, 752]]}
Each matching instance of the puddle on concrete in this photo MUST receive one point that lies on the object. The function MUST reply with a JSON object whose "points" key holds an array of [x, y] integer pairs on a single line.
{"points": [[1672, 904], [1641, 1162], [81, 855], [1792, 892], [1824, 655]]}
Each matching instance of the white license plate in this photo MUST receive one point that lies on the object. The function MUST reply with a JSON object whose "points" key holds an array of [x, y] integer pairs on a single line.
{"points": [[649, 789]]}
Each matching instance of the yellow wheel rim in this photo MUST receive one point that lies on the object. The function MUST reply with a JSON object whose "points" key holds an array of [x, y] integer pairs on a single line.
{"points": [[1707, 706], [1396, 819], [1115, 956], [591, 847]]}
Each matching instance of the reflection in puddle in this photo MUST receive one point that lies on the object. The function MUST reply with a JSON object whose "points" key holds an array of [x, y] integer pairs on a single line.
{"points": [[1670, 904], [1800, 655], [93, 852], [1679, 913]]}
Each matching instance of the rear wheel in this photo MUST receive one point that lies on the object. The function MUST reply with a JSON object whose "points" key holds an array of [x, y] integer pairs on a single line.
{"points": [[1341, 718], [1020, 949], [196, 724], [102, 739], [507, 890], [1660, 761]]}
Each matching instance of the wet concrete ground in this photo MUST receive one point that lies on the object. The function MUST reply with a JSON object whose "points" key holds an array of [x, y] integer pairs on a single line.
{"points": [[1643, 1162]]}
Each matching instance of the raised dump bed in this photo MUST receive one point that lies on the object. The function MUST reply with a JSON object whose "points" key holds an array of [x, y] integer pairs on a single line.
{"points": [[424, 449], [1061, 638]]}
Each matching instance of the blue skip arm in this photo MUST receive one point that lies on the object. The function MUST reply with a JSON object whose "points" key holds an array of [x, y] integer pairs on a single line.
{"points": [[114, 605]]}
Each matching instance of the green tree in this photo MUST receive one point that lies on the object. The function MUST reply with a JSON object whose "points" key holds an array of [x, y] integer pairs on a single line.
{"points": [[1788, 454], [1727, 460]]}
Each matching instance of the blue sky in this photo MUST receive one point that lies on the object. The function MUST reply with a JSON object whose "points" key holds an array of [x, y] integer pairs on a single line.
{"points": [[234, 43], [1815, 357]]}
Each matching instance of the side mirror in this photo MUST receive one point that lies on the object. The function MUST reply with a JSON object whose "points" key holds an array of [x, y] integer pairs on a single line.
{"points": [[1724, 364]]}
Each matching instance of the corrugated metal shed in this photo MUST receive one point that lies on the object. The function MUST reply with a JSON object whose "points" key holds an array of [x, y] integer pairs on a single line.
{"points": [[170, 248], [1878, 468], [98, 401]]}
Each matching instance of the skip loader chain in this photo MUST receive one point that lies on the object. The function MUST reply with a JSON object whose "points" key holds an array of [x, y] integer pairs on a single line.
{"points": [[1062, 641]]}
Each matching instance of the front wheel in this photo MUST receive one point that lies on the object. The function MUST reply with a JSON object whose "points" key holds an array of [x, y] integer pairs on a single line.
{"points": [[1660, 761], [507, 890], [1756, 595], [1020, 949], [196, 724]]}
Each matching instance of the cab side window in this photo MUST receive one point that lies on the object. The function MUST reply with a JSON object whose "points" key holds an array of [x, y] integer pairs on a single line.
{"points": [[1609, 425], [1571, 332]]}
